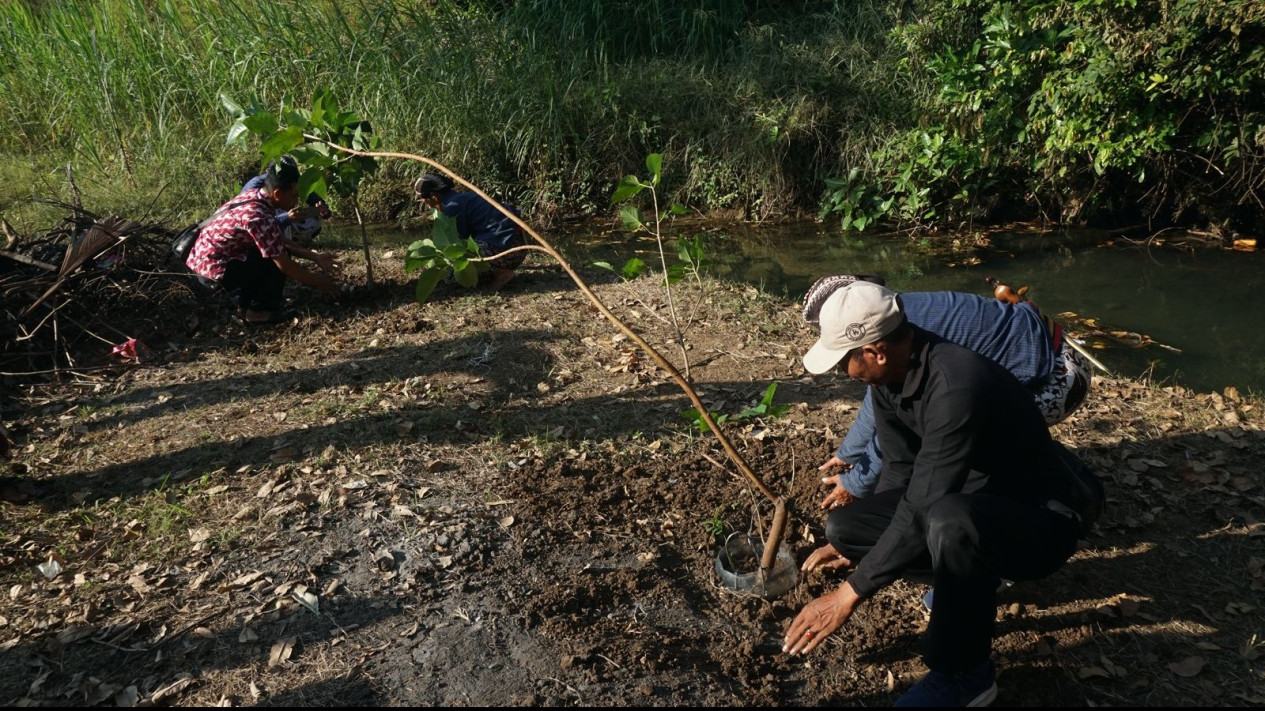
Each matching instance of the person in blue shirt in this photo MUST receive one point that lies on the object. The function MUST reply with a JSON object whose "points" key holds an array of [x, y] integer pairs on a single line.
{"points": [[1015, 336], [478, 219]]}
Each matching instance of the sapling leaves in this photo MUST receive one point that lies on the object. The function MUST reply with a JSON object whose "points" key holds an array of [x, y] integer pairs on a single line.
{"points": [[631, 217], [288, 131], [627, 188], [444, 230], [468, 275], [764, 408], [442, 253], [313, 181], [231, 106], [427, 281], [654, 163], [237, 134], [262, 123], [632, 268]]}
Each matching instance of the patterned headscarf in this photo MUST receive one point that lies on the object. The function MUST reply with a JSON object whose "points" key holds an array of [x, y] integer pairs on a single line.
{"points": [[825, 286], [432, 184]]}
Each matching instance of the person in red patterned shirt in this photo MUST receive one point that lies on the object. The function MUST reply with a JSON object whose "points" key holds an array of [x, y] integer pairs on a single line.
{"points": [[243, 250]]}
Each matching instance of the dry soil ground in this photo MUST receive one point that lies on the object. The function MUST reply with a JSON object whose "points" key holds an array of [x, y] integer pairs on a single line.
{"points": [[491, 499]]}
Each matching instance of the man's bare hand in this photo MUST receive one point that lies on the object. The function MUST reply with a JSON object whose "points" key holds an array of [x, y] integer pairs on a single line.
{"points": [[819, 619], [832, 463], [302, 212], [327, 263], [826, 558], [839, 496]]}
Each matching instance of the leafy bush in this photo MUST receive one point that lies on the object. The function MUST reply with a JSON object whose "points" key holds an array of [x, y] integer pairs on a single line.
{"points": [[1075, 111]]}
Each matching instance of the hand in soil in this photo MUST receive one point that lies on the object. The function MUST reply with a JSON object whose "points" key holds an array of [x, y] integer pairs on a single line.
{"points": [[839, 496], [826, 558], [832, 463], [820, 618]]}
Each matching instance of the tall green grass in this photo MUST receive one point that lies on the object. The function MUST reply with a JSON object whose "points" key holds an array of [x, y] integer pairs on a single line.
{"points": [[547, 101]]}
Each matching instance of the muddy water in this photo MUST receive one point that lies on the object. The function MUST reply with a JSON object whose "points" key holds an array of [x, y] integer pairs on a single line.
{"points": [[1201, 304]]}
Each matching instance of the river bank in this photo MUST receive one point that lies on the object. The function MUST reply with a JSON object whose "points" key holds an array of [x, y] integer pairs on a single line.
{"points": [[493, 499]]}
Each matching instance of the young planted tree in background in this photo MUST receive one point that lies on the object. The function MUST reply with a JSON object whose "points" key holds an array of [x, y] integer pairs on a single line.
{"points": [[308, 134], [689, 253], [315, 135]]}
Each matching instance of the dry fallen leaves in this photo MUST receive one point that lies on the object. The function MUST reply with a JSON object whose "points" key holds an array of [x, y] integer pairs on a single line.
{"points": [[307, 599], [282, 650]]}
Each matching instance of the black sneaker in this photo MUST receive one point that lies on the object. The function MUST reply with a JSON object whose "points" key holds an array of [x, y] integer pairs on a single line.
{"points": [[974, 687]]}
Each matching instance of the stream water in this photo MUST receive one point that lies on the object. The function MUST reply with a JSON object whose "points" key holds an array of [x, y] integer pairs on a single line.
{"points": [[1200, 304]]}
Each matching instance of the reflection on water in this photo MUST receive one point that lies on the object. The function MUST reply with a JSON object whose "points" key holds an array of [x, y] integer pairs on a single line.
{"points": [[1203, 303]]}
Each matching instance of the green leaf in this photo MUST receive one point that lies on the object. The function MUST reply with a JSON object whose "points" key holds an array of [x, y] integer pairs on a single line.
{"points": [[676, 273], [693, 415], [297, 117], [230, 106], [768, 394], [426, 251], [468, 277], [261, 124], [604, 265], [633, 268], [313, 181], [678, 209], [426, 283], [627, 188], [237, 134], [360, 140], [631, 217], [313, 154], [654, 163], [413, 262], [281, 142], [444, 230], [454, 251], [683, 251]]}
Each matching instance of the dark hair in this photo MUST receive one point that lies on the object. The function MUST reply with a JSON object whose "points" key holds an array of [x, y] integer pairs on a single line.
{"points": [[281, 173], [432, 184]]}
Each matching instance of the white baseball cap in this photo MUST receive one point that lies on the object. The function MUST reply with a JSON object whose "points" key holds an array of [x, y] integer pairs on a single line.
{"points": [[855, 315]]}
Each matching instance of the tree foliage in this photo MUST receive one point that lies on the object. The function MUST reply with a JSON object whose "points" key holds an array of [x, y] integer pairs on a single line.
{"points": [[307, 133], [1074, 110]]}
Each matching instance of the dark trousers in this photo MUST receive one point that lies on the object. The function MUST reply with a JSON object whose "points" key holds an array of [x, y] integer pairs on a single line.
{"points": [[973, 541], [256, 284]]}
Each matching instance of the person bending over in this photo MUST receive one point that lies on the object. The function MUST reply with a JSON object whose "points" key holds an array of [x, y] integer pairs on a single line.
{"points": [[302, 223], [1015, 336], [477, 218], [972, 490], [242, 249]]}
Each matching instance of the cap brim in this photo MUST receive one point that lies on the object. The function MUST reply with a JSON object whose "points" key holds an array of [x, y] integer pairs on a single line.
{"points": [[820, 359]]}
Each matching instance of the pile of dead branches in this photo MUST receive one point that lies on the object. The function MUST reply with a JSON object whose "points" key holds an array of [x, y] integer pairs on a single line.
{"points": [[72, 298]]}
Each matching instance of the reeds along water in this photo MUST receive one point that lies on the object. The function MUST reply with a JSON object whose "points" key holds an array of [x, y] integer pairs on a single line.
{"points": [[549, 100]]}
